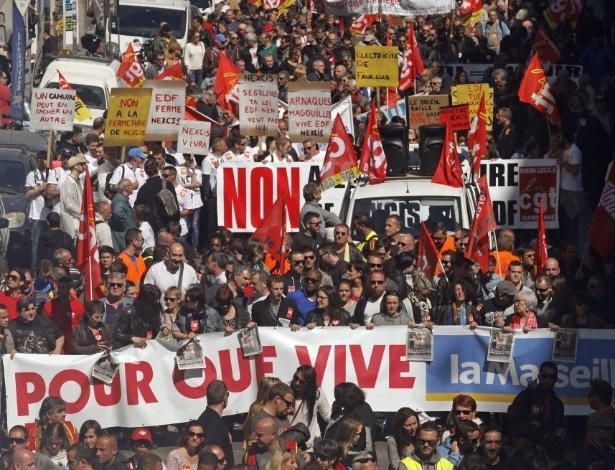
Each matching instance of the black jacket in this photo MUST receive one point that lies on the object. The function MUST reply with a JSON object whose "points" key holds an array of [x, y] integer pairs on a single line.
{"points": [[147, 196], [262, 313]]}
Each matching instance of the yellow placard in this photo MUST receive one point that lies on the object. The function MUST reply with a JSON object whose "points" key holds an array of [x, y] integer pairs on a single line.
{"points": [[471, 94], [377, 66], [127, 116]]}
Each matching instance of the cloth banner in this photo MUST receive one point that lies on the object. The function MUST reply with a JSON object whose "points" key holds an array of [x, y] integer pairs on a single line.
{"points": [[394, 7], [148, 390]]}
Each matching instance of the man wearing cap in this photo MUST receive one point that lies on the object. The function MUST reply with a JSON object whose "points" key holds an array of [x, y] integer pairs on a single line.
{"points": [[131, 170], [494, 311], [71, 196], [598, 447], [211, 59], [140, 443]]}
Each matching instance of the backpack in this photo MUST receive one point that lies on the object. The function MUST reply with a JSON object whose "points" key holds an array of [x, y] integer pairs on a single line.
{"points": [[109, 193], [167, 201]]}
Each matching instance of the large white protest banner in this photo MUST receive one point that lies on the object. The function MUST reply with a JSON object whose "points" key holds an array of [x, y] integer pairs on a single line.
{"points": [[166, 108], [52, 109], [258, 104], [309, 111], [193, 137], [390, 7]]}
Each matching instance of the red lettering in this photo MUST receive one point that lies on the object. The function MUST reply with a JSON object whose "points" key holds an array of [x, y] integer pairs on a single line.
{"points": [[227, 368], [261, 185], [293, 191], [264, 367], [199, 391], [367, 375], [340, 363], [235, 195], [139, 376], [25, 397], [322, 357], [71, 375], [108, 396], [398, 364]]}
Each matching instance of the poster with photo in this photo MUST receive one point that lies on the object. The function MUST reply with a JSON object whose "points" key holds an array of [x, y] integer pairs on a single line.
{"points": [[190, 356], [419, 345], [250, 342], [105, 369], [501, 346], [565, 344]]}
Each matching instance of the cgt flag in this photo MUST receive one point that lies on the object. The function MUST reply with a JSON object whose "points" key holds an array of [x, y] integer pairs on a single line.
{"points": [[373, 160], [535, 90], [130, 69], [427, 254], [483, 223], [81, 110], [272, 229], [541, 240], [87, 246], [227, 80], [340, 163], [477, 137], [448, 171], [602, 228], [413, 62], [363, 22]]}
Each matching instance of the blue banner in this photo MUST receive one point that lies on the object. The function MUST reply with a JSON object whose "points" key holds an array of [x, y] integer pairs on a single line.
{"points": [[18, 64]]}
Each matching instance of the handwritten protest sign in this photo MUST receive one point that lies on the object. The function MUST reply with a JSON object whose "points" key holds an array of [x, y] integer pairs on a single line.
{"points": [[309, 111], [471, 94], [127, 116], [166, 108], [377, 66], [425, 109], [258, 104], [52, 110], [458, 117], [193, 137]]}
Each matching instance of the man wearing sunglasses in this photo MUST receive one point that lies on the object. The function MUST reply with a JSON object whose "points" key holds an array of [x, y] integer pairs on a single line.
{"points": [[424, 455], [465, 441], [312, 196], [311, 235], [279, 405], [369, 305], [141, 443], [19, 438]]}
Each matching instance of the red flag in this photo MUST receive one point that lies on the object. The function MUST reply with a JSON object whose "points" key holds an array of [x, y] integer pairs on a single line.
{"points": [[174, 72], [534, 89], [226, 82], [468, 7], [541, 240], [340, 163], [272, 229], [412, 64], [87, 245], [363, 22], [563, 11], [130, 69], [427, 254], [483, 223], [602, 228], [448, 171], [477, 137], [545, 47], [373, 161]]}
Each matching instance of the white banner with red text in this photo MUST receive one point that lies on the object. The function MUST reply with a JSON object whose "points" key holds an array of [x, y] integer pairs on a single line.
{"points": [[148, 390]]}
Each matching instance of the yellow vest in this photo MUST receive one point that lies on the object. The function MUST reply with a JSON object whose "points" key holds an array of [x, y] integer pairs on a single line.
{"points": [[412, 464]]}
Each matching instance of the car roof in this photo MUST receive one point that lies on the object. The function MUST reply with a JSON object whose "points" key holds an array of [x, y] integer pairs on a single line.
{"points": [[86, 72], [32, 141], [399, 186]]}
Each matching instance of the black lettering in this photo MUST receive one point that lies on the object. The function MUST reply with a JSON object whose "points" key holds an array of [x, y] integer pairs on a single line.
{"points": [[511, 174], [499, 210], [496, 174], [511, 212]]}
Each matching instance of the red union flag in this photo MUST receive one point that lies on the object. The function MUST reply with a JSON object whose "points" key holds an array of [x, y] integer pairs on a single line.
{"points": [[477, 137], [130, 69], [272, 229], [468, 7], [602, 229], [563, 11], [363, 22], [483, 223], [174, 72], [227, 79], [541, 240], [545, 47], [373, 161], [340, 163], [427, 254], [535, 90], [413, 62], [448, 171], [87, 245]]}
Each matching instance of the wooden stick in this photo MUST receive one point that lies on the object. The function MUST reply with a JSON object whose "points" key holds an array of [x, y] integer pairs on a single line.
{"points": [[49, 145], [123, 156]]}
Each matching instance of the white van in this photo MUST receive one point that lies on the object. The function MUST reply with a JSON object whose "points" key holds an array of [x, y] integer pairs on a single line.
{"points": [[141, 19]]}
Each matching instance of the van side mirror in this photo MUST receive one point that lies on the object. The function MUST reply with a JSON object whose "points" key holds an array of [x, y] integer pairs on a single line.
{"points": [[4, 222]]}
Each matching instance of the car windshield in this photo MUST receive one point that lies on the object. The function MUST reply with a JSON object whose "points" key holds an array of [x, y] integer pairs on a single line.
{"points": [[92, 96], [12, 177], [144, 21], [413, 210]]}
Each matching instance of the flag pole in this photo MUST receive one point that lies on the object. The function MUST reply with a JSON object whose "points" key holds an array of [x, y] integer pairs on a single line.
{"points": [[497, 252], [282, 263], [50, 135]]}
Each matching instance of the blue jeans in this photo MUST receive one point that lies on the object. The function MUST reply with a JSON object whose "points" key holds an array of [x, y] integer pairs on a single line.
{"points": [[38, 227], [196, 76], [194, 226]]}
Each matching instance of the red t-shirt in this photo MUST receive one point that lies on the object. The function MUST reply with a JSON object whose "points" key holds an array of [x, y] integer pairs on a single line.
{"points": [[67, 317], [11, 304]]}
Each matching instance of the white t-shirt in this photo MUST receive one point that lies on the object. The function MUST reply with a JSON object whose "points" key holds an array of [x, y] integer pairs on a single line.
{"points": [[149, 240], [568, 181], [209, 167], [372, 308], [160, 276], [244, 157], [184, 199], [38, 210], [57, 176], [185, 178]]}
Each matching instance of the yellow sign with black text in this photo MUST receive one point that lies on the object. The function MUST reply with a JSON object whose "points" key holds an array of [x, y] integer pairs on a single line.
{"points": [[377, 66]]}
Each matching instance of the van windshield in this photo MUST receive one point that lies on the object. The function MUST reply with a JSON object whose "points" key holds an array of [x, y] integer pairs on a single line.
{"points": [[92, 96], [413, 210], [144, 21]]}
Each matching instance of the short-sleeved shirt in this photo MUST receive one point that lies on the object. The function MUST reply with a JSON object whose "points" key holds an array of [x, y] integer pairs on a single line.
{"points": [[38, 210], [185, 199], [133, 174], [37, 337]]}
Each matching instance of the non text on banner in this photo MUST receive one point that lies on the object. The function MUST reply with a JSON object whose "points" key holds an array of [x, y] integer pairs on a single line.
{"points": [[258, 104], [148, 390], [309, 111], [166, 109], [52, 109], [426, 109], [377, 66], [127, 116], [471, 95], [194, 137]]}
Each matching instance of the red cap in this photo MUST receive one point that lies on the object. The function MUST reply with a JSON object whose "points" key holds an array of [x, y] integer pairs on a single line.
{"points": [[141, 434], [268, 28]]}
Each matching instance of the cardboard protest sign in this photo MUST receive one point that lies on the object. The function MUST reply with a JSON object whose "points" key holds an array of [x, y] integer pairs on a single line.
{"points": [[457, 116], [309, 111], [258, 104], [471, 94], [127, 116], [52, 109], [166, 108], [425, 109], [194, 137], [377, 66]]}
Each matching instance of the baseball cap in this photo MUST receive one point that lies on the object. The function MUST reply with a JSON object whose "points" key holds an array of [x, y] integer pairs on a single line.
{"points": [[136, 152], [268, 28], [505, 287], [221, 37], [141, 434]]}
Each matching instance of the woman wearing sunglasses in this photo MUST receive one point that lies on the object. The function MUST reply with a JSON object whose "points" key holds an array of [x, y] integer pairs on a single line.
{"points": [[187, 453]]}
